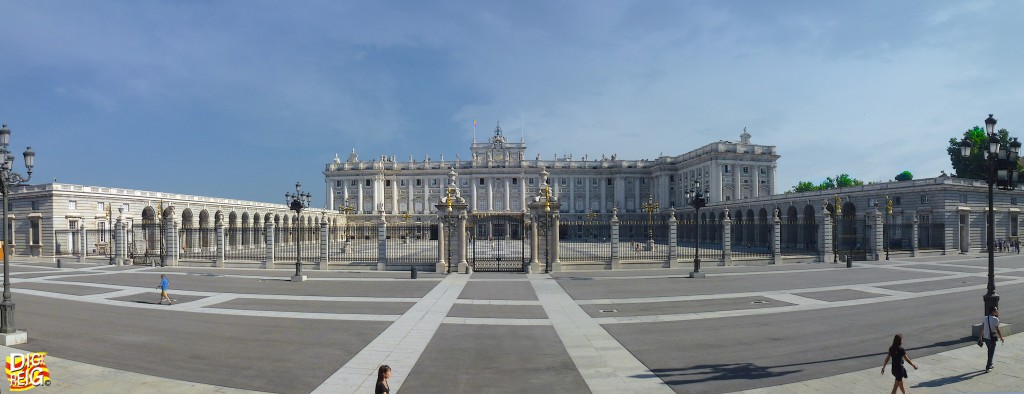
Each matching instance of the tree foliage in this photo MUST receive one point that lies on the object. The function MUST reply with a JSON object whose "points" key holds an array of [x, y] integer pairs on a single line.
{"points": [[973, 166], [904, 176], [843, 180]]}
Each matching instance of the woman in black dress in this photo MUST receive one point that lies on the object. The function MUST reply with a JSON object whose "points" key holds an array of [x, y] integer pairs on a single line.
{"points": [[897, 354], [383, 373]]}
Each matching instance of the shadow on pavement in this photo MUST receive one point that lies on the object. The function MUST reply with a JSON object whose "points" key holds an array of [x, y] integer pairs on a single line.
{"points": [[950, 379]]}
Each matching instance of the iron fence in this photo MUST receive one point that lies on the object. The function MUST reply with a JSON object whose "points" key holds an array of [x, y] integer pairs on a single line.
{"points": [[898, 236], [99, 242], [245, 243], [798, 238], [584, 241], [931, 235], [499, 243], [710, 240], [851, 238], [67, 242], [751, 239], [146, 243], [411, 243], [648, 241], [353, 243], [198, 243], [298, 243]]}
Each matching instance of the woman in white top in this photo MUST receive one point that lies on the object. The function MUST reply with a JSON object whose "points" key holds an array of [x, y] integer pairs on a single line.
{"points": [[989, 331]]}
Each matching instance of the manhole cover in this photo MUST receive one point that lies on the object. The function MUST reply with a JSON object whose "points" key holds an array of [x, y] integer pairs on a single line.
{"points": [[607, 310], [758, 302], [575, 278]]}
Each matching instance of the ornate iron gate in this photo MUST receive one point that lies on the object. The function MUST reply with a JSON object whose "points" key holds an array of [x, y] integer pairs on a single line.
{"points": [[499, 242], [146, 244]]}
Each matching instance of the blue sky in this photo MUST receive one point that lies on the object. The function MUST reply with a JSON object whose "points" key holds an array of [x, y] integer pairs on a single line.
{"points": [[240, 99]]}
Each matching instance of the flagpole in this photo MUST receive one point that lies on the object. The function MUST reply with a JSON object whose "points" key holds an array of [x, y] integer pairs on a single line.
{"points": [[474, 129]]}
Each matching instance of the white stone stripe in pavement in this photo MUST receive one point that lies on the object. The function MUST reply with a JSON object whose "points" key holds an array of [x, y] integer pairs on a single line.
{"points": [[794, 299], [494, 321], [497, 302], [400, 345], [604, 363]]}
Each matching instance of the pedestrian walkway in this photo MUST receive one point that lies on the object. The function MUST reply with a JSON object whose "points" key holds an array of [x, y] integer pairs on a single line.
{"points": [[956, 371]]}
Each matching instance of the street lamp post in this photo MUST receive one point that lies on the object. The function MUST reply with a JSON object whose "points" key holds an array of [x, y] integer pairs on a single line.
{"points": [[297, 202], [696, 197], [1002, 171], [9, 179], [345, 209], [888, 216], [650, 207]]}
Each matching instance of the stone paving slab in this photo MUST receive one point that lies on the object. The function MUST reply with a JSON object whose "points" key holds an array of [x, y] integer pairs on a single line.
{"points": [[672, 307], [153, 297], [65, 288], [658, 287], [931, 285], [235, 351], [489, 290], [353, 307], [952, 268], [396, 288], [498, 311], [839, 295], [484, 359]]}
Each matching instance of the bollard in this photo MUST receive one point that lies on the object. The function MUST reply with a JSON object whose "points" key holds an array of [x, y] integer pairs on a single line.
{"points": [[58, 263], [849, 261], [412, 272]]}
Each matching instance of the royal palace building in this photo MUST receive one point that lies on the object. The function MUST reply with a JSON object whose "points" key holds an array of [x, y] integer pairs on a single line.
{"points": [[500, 177]]}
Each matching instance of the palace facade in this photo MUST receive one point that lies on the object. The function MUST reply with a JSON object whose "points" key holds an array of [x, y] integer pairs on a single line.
{"points": [[499, 176]]}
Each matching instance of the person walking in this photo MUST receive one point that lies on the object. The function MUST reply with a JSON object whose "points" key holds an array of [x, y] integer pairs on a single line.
{"points": [[989, 331], [383, 373], [164, 284], [898, 355]]}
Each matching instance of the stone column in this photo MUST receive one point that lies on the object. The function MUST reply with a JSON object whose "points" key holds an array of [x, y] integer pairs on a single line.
{"points": [[508, 195], [556, 264], [776, 237], [81, 243], [325, 237], [442, 260], [878, 236], [490, 197], [535, 252], [172, 248], [382, 243], [726, 239], [268, 228], [826, 234], [120, 240], [914, 235], [673, 251], [461, 227], [616, 264], [219, 229]]}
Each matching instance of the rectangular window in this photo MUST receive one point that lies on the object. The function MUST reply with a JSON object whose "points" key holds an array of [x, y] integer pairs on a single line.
{"points": [[746, 170], [35, 232], [579, 182], [367, 182], [481, 181], [337, 184], [433, 182], [387, 183], [895, 201], [561, 181], [533, 181], [609, 182], [35, 205], [72, 205], [671, 178], [924, 199], [726, 168], [72, 224], [643, 181], [763, 171], [102, 226], [963, 198], [401, 183], [1013, 224], [515, 181], [465, 182], [419, 182], [125, 207], [354, 183], [1013, 200], [593, 182]]}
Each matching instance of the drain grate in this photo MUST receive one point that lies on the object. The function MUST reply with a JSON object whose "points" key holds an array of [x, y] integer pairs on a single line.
{"points": [[607, 310], [756, 302]]}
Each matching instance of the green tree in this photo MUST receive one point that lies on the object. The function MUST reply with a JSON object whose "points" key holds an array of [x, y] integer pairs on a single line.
{"points": [[842, 180], [973, 166], [904, 176]]}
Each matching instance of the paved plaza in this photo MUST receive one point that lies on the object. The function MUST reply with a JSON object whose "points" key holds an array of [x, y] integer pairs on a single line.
{"points": [[785, 328]]}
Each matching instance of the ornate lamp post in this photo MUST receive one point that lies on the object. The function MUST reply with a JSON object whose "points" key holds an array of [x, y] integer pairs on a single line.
{"points": [[696, 197], [8, 180], [297, 202], [1002, 171], [650, 207], [345, 209]]}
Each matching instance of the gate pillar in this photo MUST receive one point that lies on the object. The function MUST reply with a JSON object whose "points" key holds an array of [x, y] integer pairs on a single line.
{"points": [[534, 266], [268, 229], [464, 266], [324, 244], [452, 228], [915, 233], [382, 243], [826, 233], [673, 251], [221, 245], [442, 260], [172, 247], [81, 244], [776, 236], [726, 239], [545, 213], [120, 237], [614, 235], [878, 235]]}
